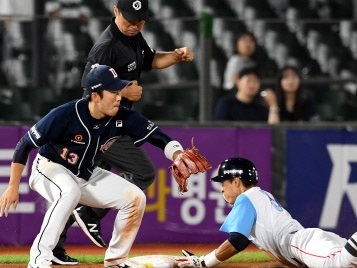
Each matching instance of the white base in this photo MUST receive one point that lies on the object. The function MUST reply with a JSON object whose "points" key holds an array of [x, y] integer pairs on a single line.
{"points": [[156, 261]]}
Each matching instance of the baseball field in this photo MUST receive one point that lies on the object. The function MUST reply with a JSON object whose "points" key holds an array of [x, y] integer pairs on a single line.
{"points": [[92, 257]]}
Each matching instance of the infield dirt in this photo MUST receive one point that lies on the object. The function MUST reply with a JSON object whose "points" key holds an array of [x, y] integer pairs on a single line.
{"points": [[142, 249]]}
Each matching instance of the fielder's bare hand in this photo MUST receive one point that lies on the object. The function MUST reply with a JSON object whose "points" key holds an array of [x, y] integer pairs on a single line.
{"points": [[184, 54], [8, 199], [132, 92]]}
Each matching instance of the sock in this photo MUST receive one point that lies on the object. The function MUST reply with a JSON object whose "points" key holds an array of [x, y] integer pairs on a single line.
{"points": [[351, 245]]}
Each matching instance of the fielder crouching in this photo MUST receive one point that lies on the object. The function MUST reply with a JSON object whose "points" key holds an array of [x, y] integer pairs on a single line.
{"points": [[70, 139]]}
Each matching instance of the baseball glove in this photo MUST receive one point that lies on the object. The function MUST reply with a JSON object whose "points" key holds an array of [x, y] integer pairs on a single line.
{"points": [[188, 162]]}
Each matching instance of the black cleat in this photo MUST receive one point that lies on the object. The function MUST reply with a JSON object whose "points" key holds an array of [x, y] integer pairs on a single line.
{"points": [[89, 225], [63, 259]]}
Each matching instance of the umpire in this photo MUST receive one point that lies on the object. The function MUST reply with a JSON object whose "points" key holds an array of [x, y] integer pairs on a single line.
{"points": [[122, 47]]}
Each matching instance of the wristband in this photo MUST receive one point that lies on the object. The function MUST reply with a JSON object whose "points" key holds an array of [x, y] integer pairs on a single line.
{"points": [[210, 259], [172, 147]]}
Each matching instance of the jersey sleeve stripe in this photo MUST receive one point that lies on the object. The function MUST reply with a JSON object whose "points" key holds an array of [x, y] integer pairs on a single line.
{"points": [[34, 143], [141, 140]]}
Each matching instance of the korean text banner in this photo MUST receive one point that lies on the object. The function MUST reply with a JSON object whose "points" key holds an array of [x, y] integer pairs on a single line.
{"points": [[169, 216]]}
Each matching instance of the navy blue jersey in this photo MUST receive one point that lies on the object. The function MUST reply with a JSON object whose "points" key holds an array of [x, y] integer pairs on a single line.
{"points": [[68, 135]]}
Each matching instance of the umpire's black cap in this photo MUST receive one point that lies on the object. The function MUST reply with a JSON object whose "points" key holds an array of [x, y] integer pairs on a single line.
{"points": [[237, 167], [134, 9], [103, 77]]}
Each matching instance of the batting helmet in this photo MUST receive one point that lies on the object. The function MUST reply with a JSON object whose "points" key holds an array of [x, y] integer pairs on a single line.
{"points": [[237, 167]]}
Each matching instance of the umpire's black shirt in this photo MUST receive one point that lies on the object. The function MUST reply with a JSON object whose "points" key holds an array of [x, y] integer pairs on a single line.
{"points": [[128, 55]]}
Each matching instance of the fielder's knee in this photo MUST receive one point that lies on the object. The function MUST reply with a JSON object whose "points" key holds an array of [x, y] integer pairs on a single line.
{"points": [[135, 206], [139, 201]]}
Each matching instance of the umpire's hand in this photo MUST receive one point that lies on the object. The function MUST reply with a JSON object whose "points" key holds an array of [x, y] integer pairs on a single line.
{"points": [[132, 92], [184, 54]]}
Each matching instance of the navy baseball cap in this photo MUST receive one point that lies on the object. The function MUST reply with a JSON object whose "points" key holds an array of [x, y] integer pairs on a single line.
{"points": [[103, 77], [134, 9]]}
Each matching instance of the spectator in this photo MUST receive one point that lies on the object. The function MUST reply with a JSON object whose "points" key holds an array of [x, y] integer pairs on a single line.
{"points": [[246, 47], [244, 104], [293, 106], [248, 54]]}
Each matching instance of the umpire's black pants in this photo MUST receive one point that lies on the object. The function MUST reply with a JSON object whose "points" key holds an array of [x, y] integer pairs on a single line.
{"points": [[125, 158]]}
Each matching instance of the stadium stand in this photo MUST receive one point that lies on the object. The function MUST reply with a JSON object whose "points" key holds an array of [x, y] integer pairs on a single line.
{"points": [[320, 37]]}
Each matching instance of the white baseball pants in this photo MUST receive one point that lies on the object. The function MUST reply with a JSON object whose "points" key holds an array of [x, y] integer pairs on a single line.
{"points": [[103, 190], [321, 249]]}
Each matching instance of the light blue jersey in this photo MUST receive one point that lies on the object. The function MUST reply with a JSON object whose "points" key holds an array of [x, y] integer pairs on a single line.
{"points": [[257, 215]]}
